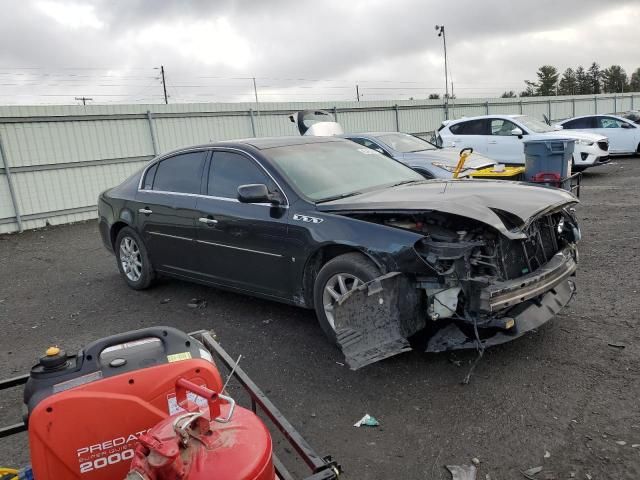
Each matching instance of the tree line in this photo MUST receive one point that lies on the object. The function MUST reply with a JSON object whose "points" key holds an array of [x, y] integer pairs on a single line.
{"points": [[579, 81]]}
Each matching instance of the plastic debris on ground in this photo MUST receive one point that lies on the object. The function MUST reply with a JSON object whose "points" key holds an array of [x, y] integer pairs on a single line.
{"points": [[462, 472], [197, 303], [531, 472], [367, 421]]}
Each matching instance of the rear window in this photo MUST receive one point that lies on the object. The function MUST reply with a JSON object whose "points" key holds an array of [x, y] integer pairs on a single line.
{"points": [[181, 173], [471, 127]]}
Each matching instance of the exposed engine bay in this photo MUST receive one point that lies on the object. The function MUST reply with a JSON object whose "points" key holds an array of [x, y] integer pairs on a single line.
{"points": [[475, 287]]}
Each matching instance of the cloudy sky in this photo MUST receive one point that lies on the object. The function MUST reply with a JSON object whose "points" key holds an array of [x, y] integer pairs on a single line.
{"points": [[110, 50]]}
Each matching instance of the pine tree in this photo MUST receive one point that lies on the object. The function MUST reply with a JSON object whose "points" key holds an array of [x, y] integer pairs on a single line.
{"points": [[547, 80], [615, 80], [568, 83], [595, 75], [634, 84], [585, 87]]}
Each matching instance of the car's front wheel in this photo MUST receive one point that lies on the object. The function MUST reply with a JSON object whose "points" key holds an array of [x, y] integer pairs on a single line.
{"points": [[336, 278], [133, 259]]}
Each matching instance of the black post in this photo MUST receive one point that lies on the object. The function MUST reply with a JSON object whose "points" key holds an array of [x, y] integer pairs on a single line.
{"points": [[441, 33], [164, 85], [357, 92]]}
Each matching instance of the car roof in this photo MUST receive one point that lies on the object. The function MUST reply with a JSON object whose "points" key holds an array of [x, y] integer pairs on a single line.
{"points": [[594, 115], [370, 134], [273, 142], [257, 143], [481, 117]]}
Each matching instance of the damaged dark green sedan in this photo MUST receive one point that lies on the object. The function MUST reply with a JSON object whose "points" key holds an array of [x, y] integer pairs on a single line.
{"points": [[379, 252]]}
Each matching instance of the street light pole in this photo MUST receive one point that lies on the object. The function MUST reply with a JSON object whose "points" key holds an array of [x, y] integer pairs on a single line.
{"points": [[441, 33]]}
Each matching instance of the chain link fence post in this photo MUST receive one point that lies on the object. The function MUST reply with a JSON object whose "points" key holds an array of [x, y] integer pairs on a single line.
{"points": [[152, 130], [12, 189]]}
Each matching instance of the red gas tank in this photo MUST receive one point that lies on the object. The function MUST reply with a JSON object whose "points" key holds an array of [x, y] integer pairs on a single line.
{"points": [[87, 411], [234, 445]]}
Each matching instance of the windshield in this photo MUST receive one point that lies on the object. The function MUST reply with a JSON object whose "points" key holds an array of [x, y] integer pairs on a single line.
{"points": [[328, 170], [405, 143], [534, 125]]}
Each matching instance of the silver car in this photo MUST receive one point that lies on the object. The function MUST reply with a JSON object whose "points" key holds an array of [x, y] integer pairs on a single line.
{"points": [[424, 157]]}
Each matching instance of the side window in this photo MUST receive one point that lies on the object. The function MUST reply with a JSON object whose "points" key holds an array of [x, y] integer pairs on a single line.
{"points": [[472, 127], [230, 170], [457, 128], [182, 173], [369, 144], [608, 122], [149, 176], [501, 127], [578, 123]]}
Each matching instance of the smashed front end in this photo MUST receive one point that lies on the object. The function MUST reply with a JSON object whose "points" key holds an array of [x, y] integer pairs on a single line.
{"points": [[465, 283]]}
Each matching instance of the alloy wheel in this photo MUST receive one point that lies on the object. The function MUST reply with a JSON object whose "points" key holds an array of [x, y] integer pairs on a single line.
{"points": [[130, 259], [336, 287]]}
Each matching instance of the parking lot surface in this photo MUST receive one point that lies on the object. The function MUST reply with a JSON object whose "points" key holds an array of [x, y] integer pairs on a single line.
{"points": [[564, 389]]}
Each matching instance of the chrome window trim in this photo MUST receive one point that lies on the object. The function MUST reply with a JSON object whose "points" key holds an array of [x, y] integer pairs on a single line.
{"points": [[211, 197], [211, 149], [238, 248]]}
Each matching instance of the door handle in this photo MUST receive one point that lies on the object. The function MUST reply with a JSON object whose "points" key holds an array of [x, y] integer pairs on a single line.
{"points": [[492, 142], [208, 221], [146, 211]]}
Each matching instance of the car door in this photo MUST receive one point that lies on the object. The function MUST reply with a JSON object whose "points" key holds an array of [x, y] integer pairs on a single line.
{"points": [[242, 245], [502, 145], [166, 212], [471, 133], [621, 139]]}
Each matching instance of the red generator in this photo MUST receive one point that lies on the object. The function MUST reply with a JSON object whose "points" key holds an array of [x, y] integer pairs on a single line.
{"points": [[149, 405]]}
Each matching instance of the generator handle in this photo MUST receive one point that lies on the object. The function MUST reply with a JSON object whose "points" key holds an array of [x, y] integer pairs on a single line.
{"points": [[213, 398], [173, 340]]}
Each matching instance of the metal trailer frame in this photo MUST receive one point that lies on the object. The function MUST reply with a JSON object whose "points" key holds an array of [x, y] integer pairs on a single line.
{"points": [[322, 468]]}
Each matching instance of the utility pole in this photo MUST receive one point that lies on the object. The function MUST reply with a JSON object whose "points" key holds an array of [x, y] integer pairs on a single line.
{"points": [[84, 99], [357, 92], [164, 85], [440, 31], [255, 93], [255, 89]]}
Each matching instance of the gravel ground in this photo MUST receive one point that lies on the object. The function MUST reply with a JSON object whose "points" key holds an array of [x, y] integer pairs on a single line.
{"points": [[561, 390]]}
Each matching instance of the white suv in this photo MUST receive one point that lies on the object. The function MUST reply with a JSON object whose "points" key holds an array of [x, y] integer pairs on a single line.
{"points": [[501, 137], [623, 134]]}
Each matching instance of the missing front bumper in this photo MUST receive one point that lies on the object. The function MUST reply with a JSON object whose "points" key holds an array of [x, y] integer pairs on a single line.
{"points": [[527, 316], [500, 296], [375, 321]]}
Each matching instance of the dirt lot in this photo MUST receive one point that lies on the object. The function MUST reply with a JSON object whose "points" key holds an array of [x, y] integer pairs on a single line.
{"points": [[561, 390]]}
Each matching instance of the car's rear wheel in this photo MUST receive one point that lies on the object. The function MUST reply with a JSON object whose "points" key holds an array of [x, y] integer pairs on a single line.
{"points": [[335, 279], [133, 259]]}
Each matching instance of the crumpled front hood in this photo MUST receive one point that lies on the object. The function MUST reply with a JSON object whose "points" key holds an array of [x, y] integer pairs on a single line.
{"points": [[577, 135], [448, 156], [481, 200]]}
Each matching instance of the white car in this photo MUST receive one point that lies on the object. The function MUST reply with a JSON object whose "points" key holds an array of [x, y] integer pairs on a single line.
{"points": [[501, 137], [623, 134]]}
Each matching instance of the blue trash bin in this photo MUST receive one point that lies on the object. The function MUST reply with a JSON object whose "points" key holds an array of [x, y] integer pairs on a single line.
{"points": [[548, 160]]}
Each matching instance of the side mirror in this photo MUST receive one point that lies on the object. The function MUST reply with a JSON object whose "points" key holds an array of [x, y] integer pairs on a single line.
{"points": [[627, 125], [256, 193], [517, 132], [558, 127]]}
